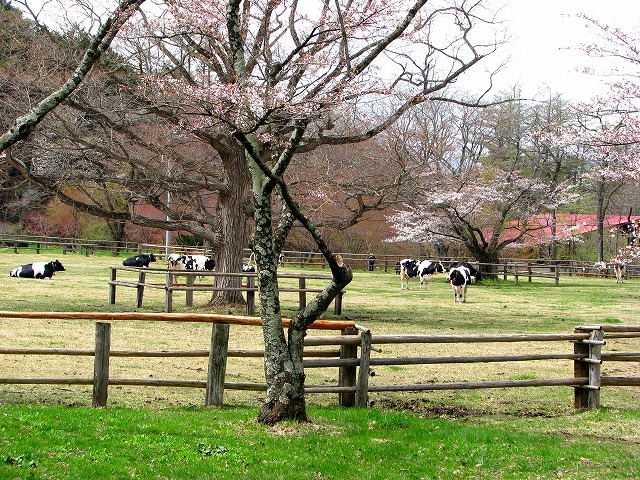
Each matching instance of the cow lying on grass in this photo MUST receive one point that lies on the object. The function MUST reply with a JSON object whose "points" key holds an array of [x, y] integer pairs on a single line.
{"points": [[141, 260], [38, 270]]}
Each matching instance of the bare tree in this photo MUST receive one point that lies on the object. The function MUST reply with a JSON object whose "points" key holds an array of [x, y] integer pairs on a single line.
{"points": [[25, 124]]}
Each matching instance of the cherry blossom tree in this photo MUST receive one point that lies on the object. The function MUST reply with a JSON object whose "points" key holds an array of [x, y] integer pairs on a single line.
{"points": [[480, 191], [277, 76], [264, 83], [607, 131]]}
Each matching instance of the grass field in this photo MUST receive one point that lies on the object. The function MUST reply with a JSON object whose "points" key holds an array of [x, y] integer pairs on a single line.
{"points": [[166, 433]]}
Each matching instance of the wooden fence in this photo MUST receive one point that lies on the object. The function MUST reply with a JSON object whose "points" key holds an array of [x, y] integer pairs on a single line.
{"points": [[345, 359], [541, 268], [169, 285], [587, 358], [354, 370]]}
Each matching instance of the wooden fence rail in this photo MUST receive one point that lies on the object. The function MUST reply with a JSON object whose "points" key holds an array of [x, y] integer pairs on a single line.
{"points": [[587, 359], [354, 371], [170, 286]]}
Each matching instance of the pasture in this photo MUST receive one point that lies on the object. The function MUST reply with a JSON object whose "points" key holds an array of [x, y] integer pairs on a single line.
{"points": [[374, 299]]}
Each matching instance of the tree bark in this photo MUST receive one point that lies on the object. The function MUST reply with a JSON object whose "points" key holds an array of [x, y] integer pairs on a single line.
{"points": [[284, 372], [601, 209], [233, 204]]}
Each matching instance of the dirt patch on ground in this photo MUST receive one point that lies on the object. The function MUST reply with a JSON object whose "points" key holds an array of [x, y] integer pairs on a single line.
{"points": [[428, 409]]}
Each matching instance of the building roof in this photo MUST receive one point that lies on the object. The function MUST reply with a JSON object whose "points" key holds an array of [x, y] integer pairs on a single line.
{"points": [[567, 225]]}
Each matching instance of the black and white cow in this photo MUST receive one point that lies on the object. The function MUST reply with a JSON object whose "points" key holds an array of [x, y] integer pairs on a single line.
{"points": [[141, 260], [199, 262], [619, 268], [460, 278], [415, 268], [175, 261], [38, 270], [248, 268], [472, 271]]}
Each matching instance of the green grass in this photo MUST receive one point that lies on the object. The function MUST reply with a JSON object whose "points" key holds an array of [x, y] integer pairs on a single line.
{"points": [[165, 433], [78, 443]]}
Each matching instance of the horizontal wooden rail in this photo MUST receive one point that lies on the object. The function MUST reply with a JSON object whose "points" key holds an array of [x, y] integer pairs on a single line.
{"points": [[571, 382], [534, 337], [151, 353], [171, 317], [474, 359], [621, 381]]}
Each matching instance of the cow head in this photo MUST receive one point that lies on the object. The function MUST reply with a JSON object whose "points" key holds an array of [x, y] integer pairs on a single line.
{"points": [[57, 266], [210, 263]]}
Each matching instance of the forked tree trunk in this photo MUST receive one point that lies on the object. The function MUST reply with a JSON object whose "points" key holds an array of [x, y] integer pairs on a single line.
{"points": [[284, 372]]}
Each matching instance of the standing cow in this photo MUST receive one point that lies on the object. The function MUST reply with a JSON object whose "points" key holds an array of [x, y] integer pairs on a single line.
{"points": [[415, 268], [472, 271], [460, 278], [176, 261], [619, 268], [38, 270], [141, 260]]}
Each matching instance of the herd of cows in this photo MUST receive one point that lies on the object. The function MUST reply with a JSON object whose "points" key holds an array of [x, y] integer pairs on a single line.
{"points": [[459, 275]]}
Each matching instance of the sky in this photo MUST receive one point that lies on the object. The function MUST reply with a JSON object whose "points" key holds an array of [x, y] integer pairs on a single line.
{"points": [[546, 36]]}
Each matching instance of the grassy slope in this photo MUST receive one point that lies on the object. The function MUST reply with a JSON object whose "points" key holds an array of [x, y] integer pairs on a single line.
{"points": [[528, 433]]}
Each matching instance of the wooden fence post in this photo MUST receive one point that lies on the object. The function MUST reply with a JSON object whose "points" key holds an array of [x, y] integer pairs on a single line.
{"points": [[140, 289], [251, 296], [588, 396], [362, 387], [529, 271], [504, 277], [101, 364], [217, 364], [337, 304], [302, 296], [168, 298], [515, 274], [189, 293], [347, 375], [557, 279], [112, 286]]}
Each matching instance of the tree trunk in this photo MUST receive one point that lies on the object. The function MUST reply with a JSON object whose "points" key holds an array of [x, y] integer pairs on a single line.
{"points": [[488, 260], [234, 219], [554, 232], [284, 372], [600, 227]]}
